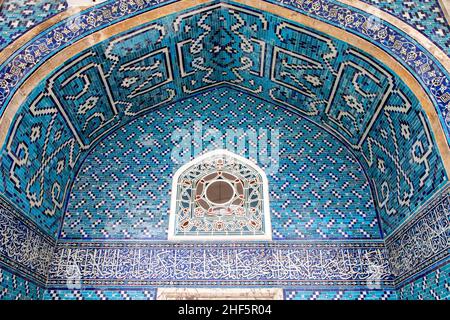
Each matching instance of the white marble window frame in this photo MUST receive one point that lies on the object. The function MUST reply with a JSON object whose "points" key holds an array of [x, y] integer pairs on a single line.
{"points": [[267, 236]]}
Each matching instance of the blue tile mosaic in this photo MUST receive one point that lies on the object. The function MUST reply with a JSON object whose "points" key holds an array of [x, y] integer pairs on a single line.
{"points": [[100, 294], [422, 241], [426, 16], [123, 187], [261, 71], [434, 285], [419, 62], [181, 67], [400, 45], [301, 294], [23, 246], [19, 16], [13, 287], [127, 264]]}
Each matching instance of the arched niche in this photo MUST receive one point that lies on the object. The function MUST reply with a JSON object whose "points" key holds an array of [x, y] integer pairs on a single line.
{"points": [[51, 120], [345, 89]]}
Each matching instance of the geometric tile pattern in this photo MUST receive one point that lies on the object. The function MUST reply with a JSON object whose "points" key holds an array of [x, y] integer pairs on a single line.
{"points": [[13, 287], [19, 16], [362, 23], [122, 262], [84, 294], [434, 285], [425, 16], [301, 294], [166, 69], [122, 189], [60, 146], [433, 77]]}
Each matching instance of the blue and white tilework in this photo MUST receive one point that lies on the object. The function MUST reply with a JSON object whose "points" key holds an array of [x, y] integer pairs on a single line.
{"points": [[426, 16], [100, 294], [243, 264], [14, 287], [123, 187], [19, 16], [432, 75], [299, 294], [422, 241], [363, 163], [434, 285], [23, 246], [63, 121]]}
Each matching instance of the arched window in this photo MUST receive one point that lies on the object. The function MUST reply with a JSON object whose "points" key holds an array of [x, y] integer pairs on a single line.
{"points": [[220, 196]]}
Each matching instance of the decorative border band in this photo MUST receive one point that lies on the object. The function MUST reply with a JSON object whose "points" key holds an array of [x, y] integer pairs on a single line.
{"points": [[284, 264], [23, 247], [422, 241]]}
